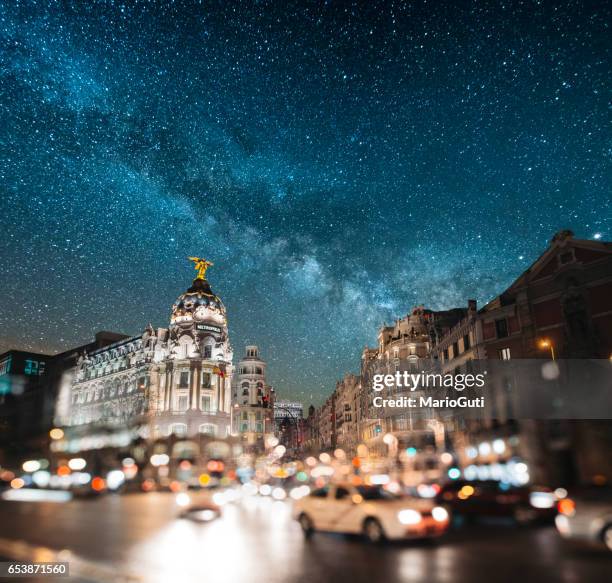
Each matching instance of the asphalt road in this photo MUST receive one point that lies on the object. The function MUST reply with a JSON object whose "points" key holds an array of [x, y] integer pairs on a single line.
{"points": [[255, 541]]}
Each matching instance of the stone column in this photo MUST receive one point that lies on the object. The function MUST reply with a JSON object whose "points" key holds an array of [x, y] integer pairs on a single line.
{"points": [[195, 377]]}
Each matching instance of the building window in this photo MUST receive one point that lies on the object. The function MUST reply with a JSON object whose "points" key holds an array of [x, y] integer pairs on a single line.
{"points": [[179, 429], [501, 327], [466, 342], [184, 379], [259, 428], [207, 352], [245, 427], [205, 403], [208, 429], [445, 354], [206, 380], [504, 354], [183, 403], [455, 349]]}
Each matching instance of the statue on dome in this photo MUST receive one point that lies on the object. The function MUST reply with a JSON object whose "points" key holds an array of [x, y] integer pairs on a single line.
{"points": [[201, 265]]}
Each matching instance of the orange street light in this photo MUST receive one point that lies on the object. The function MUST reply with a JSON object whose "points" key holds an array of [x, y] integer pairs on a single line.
{"points": [[546, 343]]}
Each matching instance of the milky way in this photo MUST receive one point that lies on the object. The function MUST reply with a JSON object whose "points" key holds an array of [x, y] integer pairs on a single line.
{"points": [[339, 163]]}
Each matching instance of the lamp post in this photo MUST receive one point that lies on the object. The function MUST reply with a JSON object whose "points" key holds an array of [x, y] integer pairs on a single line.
{"points": [[546, 343]]}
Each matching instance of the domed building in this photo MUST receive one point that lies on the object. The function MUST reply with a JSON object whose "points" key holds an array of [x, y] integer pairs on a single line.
{"points": [[174, 380]]}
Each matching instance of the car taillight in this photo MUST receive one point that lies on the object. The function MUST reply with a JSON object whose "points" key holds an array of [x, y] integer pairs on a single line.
{"points": [[567, 507]]}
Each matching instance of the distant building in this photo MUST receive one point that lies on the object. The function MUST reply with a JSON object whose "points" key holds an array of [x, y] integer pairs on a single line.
{"points": [[289, 422], [561, 305], [253, 401]]}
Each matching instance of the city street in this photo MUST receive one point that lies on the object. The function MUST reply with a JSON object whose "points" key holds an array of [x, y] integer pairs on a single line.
{"points": [[140, 538]]}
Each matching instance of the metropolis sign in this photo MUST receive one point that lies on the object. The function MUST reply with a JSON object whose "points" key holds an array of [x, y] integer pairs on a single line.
{"points": [[208, 328]]}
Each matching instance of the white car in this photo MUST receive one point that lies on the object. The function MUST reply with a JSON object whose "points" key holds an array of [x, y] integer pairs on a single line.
{"points": [[371, 511], [587, 518]]}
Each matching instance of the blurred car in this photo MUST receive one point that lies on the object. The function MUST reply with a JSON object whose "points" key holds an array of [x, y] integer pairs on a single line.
{"points": [[587, 517], [198, 506], [489, 498], [371, 511]]}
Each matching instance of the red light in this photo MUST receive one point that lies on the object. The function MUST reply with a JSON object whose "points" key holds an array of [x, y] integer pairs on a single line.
{"points": [[97, 484], [63, 471], [567, 506]]}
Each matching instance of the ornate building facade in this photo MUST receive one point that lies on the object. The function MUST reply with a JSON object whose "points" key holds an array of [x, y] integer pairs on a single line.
{"points": [[253, 414], [174, 380]]}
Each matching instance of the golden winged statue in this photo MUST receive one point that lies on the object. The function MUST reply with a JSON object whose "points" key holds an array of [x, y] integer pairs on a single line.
{"points": [[201, 265]]}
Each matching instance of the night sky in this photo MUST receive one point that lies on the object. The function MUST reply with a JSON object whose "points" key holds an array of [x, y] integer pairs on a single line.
{"points": [[340, 163]]}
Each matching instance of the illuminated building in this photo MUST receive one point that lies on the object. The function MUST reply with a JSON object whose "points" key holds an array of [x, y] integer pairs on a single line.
{"points": [[174, 380], [253, 400]]}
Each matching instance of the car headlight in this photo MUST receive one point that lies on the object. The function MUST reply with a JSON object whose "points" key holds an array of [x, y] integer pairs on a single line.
{"points": [[542, 499], [409, 516], [439, 514]]}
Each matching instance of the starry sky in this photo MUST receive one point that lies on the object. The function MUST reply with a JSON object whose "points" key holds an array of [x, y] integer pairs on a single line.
{"points": [[339, 162]]}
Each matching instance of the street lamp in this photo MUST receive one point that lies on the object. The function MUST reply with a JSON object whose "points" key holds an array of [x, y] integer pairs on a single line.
{"points": [[546, 343]]}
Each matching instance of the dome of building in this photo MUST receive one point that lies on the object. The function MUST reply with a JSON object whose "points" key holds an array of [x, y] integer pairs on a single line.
{"points": [[198, 303]]}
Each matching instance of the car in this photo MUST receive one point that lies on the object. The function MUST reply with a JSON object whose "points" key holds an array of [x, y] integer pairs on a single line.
{"points": [[587, 517], [489, 498], [198, 506], [371, 511]]}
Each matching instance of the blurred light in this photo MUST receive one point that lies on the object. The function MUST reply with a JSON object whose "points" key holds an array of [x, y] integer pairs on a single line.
{"points": [[520, 468], [362, 450], [175, 486], [311, 461], [325, 458], [561, 493], [265, 489], [301, 476], [499, 446], [470, 473], [56, 433], [465, 492], [378, 479], [542, 499], [80, 478], [471, 452], [77, 463], [411, 451], [567, 507], [41, 478], [454, 473], [550, 370], [34, 495], [114, 479], [356, 462], [128, 462], [205, 515], [147, 485], [7, 475], [17, 483], [427, 490], [271, 441], [439, 514], [31, 466], [339, 454], [393, 487], [183, 499], [185, 465], [98, 484], [279, 494], [357, 498], [389, 439], [446, 458], [562, 524], [484, 448], [63, 471], [160, 459], [409, 516], [204, 479]]}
